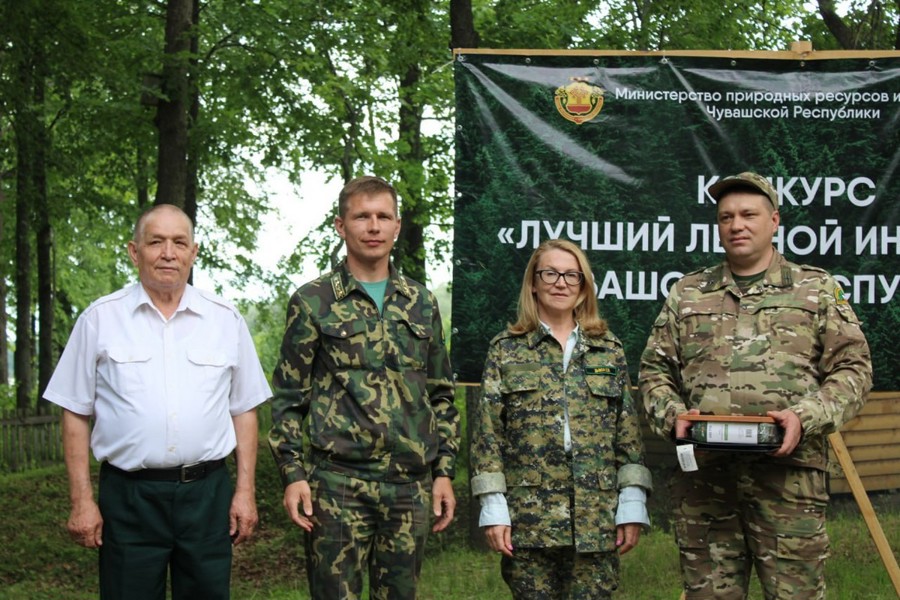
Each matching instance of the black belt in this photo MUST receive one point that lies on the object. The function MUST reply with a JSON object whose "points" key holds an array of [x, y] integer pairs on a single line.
{"points": [[184, 473]]}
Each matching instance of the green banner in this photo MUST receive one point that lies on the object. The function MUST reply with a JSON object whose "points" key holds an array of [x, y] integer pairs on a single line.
{"points": [[616, 153]]}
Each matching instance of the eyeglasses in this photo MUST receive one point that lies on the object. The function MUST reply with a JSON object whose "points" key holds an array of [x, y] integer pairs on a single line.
{"points": [[551, 277]]}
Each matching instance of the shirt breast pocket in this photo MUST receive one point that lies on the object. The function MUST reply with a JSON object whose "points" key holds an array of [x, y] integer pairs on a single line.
{"points": [[790, 326], [128, 369], [412, 340], [209, 369], [521, 389], [345, 343], [701, 330], [601, 409], [606, 386]]}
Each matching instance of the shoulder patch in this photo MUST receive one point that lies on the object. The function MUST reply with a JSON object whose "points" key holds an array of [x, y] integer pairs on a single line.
{"points": [[839, 296]]}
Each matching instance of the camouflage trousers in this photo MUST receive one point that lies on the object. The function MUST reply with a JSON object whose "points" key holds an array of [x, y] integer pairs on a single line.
{"points": [[560, 574], [360, 526], [750, 513]]}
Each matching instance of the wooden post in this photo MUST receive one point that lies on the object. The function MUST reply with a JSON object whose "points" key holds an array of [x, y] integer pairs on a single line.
{"points": [[865, 507], [476, 537]]}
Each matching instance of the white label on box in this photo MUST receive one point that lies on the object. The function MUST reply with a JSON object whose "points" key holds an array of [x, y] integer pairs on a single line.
{"points": [[685, 453], [732, 433]]}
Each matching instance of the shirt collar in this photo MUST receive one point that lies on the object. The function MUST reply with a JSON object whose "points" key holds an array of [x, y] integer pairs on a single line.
{"points": [[778, 275], [190, 300], [535, 337], [343, 281]]}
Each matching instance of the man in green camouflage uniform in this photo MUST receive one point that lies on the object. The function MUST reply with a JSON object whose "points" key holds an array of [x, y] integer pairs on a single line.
{"points": [[364, 364], [755, 335], [556, 437]]}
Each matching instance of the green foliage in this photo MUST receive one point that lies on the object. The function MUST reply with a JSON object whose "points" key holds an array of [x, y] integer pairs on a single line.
{"points": [[7, 397]]}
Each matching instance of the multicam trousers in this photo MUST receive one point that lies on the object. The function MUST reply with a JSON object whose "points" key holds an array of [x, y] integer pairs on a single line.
{"points": [[361, 525], [750, 512]]}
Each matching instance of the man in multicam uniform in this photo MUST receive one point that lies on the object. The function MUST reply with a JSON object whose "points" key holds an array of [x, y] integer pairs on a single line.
{"points": [[556, 449], [755, 335], [364, 362]]}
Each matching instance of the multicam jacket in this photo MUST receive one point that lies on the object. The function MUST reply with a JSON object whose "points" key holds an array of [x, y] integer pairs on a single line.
{"points": [[375, 389], [790, 341], [518, 447]]}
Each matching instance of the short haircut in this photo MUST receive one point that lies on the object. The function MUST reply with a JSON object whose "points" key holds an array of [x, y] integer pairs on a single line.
{"points": [[138, 232], [367, 185]]}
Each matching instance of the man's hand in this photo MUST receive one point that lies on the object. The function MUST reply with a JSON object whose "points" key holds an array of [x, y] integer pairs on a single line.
{"points": [[627, 536], [793, 430], [296, 495], [499, 539], [682, 427], [242, 517], [85, 524], [443, 502]]}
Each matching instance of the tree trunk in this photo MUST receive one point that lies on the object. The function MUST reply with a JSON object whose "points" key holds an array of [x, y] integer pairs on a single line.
{"points": [[4, 339], [141, 178], [26, 124], [172, 110], [897, 27], [462, 25], [192, 176], [193, 160], [46, 277], [410, 247], [836, 25], [4, 290]]}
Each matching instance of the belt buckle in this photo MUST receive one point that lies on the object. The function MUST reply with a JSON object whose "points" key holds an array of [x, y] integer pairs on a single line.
{"points": [[191, 473]]}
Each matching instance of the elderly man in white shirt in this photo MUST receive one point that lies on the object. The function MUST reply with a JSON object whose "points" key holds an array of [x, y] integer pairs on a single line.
{"points": [[171, 379]]}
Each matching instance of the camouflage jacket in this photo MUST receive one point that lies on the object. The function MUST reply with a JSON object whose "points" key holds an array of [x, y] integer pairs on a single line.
{"points": [[518, 447], [790, 341], [376, 390]]}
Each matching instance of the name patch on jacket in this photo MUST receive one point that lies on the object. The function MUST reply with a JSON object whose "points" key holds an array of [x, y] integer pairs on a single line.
{"points": [[609, 370]]}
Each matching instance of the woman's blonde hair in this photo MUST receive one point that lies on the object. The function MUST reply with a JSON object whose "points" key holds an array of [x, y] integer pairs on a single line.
{"points": [[587, 315]]}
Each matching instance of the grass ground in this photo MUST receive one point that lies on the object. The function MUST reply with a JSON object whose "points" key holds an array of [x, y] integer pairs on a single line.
{"points": [[39, 562]]}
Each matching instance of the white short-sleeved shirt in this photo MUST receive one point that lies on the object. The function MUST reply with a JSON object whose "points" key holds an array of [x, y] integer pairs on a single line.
{"points": [[162, 392]]}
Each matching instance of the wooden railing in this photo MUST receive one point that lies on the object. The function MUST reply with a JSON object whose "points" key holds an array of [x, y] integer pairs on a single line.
{"points": [[29, 440], [872, 438]]}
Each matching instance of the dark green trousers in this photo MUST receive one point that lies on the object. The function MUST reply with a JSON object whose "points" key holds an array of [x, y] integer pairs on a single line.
{"points": [[151, 528]]}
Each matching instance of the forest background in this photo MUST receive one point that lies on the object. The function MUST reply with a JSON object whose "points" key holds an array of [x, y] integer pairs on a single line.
{"points": [[109, 107]]}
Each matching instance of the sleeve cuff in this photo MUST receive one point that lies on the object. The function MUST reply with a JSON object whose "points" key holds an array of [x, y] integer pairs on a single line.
{"points": [[632, 507], [494, 510], [292, 473], [634, 474], [485, 483]]}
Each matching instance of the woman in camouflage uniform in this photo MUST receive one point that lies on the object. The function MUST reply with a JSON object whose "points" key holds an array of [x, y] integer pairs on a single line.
{"points": [[557, 451]]}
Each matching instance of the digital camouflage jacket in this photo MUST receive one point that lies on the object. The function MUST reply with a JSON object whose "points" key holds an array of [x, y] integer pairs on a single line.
{"points": [[790, 341], [518, 446], [375, 390]]}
